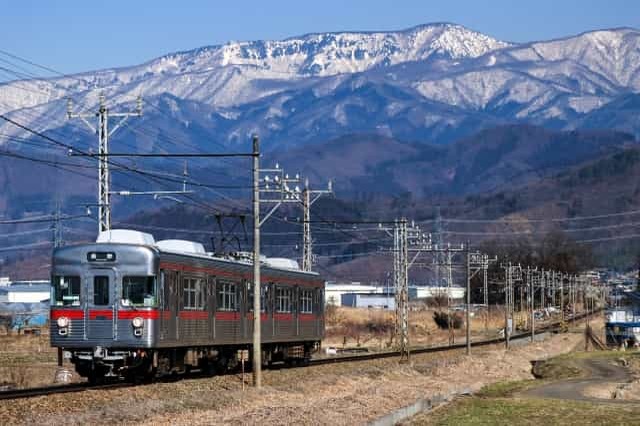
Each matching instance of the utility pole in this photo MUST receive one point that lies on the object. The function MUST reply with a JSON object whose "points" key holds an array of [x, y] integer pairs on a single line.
{"points": [[104, 178], [485, 282], [400, 286], [574, 279], [531, 300], [257, 323], [507, 286], [542, 289], [562, 297], [307, 202], [277, 191], [57, 227], [468, 300], [404, 237]]}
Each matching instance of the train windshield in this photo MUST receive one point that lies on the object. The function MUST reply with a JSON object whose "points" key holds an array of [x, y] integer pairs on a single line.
{"points": [[138, 291], [66, 290]]}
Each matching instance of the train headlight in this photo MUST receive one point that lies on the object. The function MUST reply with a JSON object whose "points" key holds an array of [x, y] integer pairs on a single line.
{"points": [[63, 326], [137, 322]]}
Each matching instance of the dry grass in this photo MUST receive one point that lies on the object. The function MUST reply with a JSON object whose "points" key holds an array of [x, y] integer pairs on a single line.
{"points": [[362, 327], [26, 360], [336, 394]]}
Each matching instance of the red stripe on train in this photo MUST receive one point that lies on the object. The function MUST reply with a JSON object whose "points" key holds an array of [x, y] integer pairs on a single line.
{"points": [[307, 317], [191, 315], [151, 315], [228, 316], [73, 314], [283, 317]]}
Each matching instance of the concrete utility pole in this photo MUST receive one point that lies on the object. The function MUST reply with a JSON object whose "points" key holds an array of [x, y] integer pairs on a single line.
{"points": [[307, 202], [562, 297], [507, 291], [485, 285], [468, 301], [276, 189], [104, 178], [477, 262], [257, 323], [530, 274]]}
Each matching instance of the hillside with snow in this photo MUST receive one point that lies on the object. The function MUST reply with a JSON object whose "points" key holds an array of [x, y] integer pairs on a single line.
{"points": [[435, 83]]}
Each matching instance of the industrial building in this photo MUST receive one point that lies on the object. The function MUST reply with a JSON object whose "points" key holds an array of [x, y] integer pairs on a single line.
{"points": [[429, 292], [333, 292], [28, 291], [369, 300]]}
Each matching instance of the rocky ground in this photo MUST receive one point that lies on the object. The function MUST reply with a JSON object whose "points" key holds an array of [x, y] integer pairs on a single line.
{"points": [[352, 393]]}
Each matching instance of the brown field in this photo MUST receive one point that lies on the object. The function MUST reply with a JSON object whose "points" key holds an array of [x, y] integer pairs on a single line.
{"points": [[336, 394], [26, 360], [373, 328]]}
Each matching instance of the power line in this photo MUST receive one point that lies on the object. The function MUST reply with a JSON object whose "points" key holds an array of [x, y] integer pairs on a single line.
{"points": [[568, 219]]}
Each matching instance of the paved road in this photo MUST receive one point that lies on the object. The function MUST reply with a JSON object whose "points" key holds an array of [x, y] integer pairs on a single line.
{"points": [[601, 371]]}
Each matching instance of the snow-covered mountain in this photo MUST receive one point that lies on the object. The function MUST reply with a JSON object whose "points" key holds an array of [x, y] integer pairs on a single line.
{"points": [[434, 82]]}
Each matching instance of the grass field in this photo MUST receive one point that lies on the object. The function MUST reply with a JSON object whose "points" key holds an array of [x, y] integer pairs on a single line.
{"points": [[530, 411], [373, 328], [505, 403], [26, 360]]}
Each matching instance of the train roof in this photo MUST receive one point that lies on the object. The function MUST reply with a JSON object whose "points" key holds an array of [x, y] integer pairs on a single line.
{"points": [[185, 248]]}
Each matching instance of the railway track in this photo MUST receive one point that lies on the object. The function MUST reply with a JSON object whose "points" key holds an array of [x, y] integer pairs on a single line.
{"points": [[555, 326], [81, 387]]}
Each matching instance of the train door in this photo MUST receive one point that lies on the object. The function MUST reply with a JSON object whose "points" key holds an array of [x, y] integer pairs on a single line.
{"points": [[295, 310], [100, 304], [319, 309], [211, 305], [169, 316], [242, 309]]}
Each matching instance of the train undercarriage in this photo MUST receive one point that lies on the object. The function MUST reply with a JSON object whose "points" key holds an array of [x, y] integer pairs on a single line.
{"points": [[100, 364]]}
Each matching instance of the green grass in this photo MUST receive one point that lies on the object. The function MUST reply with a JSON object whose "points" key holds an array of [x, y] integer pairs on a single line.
{"points": [[505, 389], [502, 404], [502, 411]]}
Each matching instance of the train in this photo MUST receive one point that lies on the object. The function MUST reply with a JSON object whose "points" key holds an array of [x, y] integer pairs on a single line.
{"points": [[128, 306]]}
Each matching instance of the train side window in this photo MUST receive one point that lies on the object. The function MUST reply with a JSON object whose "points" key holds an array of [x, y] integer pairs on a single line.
{"points": [[227, 299], [283, 299], [193, 294], [100, 290], [306, 301], [66, 290]]}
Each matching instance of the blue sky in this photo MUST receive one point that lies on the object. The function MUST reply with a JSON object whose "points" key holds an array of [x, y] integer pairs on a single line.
{"points": [[77, 35]]}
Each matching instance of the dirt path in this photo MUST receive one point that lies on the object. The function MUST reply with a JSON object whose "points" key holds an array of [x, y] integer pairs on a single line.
{"points": [[601, 372]]}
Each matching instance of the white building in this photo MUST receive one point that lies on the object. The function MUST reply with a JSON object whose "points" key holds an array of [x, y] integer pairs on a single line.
{"points": [[369, 300], [333, 291], [28, 291], [428, 292]]}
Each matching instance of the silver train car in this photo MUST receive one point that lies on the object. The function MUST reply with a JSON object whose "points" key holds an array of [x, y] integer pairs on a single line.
{"points": [[127, 306]]}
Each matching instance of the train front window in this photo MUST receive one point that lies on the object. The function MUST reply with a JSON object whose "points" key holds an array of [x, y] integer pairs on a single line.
{"points": [[138, 291], [100, 290], [66, 290]]}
